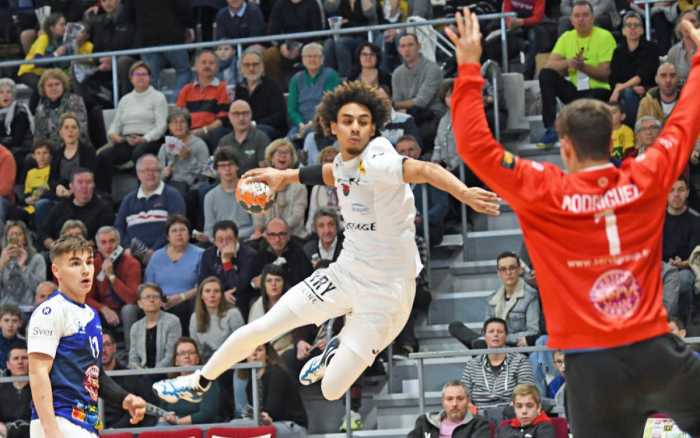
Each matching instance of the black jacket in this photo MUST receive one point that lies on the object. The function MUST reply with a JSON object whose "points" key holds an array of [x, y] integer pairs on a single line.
{"points": [[267, 103], [159, 22], [86, 159], [540, 428], [311, 248], [428, 425], [245, 267], [643, 62], [109, 33], [94, 215], [297, 266]]}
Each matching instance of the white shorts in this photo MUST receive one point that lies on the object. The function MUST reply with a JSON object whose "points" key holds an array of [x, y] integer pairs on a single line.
{"points": [[68, 429], [376, 311]]}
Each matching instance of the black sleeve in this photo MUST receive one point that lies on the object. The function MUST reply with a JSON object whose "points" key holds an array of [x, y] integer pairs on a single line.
{"points": [[311, 175], [110, 390]]}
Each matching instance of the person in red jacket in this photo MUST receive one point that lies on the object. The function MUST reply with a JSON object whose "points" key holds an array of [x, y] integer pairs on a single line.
{"points": [[594, 235], [530, 420], [117, 278], [8, 170]]}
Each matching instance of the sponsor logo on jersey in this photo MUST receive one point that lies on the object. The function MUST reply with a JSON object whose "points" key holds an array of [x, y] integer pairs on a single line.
{"points": [[360, 226], [345, 184], [361, 168], [91, 381], [46, 310], [508, 160], [38, 331], [616, 295], [359, 208], [588, 203], [318, 285]]}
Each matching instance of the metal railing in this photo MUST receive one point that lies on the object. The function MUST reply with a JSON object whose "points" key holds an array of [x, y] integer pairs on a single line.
{"points": [[421, 357], [240, 42]]}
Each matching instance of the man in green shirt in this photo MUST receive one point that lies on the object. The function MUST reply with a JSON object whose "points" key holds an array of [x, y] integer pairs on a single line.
{"points": [[578, 67]]}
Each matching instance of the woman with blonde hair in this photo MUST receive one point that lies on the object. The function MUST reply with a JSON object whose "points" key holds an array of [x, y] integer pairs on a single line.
{"points": [[214, 318]]}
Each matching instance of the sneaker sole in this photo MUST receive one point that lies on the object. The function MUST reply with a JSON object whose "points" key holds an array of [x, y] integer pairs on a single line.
{"points": [[321, 363]]}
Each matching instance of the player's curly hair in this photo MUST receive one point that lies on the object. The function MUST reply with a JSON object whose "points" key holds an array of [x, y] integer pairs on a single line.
{"points": [[352, 92]]}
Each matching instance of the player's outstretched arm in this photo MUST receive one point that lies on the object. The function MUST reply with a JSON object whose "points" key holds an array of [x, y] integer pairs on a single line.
{"points": [[40, 383], [279, 179], [112, 392], [420, 172]]}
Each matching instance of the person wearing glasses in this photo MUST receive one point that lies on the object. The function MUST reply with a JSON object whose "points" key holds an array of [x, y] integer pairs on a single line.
{"points": [[279, 248], [247, 140]]}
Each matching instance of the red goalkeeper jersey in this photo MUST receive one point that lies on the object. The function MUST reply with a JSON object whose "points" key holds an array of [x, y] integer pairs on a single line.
{"points": [[594, 236]]}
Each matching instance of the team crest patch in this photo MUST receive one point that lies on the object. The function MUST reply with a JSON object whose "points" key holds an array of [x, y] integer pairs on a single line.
{"points": [[346, 188], [616, 295], [508, 160]]}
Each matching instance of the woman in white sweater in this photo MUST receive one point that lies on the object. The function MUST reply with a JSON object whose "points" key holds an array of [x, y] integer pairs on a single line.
{"points": [[138, 125]]}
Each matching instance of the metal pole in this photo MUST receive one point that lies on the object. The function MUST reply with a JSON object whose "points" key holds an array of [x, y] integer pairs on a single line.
{"points": [[115, 83], [389, 366], [426, 231], [504, 45], [647, 20], [348, 422], [463, 215], [421, 388], [369, 36], [239, 51], [496, 118], [256, 400]]}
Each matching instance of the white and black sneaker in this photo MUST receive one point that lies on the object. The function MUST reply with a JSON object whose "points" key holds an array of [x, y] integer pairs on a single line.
{"points": [[185, 387], [315, 368]]}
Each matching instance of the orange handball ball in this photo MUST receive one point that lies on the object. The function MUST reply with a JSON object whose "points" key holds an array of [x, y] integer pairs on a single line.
{"points": [[254, 197]]}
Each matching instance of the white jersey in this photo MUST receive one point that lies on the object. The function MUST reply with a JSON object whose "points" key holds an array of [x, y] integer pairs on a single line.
{"points": [[379, 213]]}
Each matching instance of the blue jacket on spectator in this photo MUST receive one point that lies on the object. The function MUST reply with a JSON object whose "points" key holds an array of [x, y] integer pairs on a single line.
{"points": [[247, 22], [144, 218]]}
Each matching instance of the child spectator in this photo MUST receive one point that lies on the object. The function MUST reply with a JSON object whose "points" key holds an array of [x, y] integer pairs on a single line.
{"points": [[622, 136], [36, 182], [10, 322], [530, 420]]}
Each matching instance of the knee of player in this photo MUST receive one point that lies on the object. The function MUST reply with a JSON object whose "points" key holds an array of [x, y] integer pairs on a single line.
{"points": [[331, 391]]}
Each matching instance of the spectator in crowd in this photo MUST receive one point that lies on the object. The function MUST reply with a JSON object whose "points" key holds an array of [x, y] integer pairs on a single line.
{"points": [[681, 235], [455, 419], [138, 125], [234, 263], [153, 337], [318, 139], [114, 416], [438, 201], [111, 31], [204, 12], [414, 87], [71, 154], [247, 141], [579, 66], [220, 202], [339, 49], [183, 160], [74, 228], [515, 301], [604, 12], [50, 43], [82, 204], [143, 212], [186, 354], [530, 420], [214, 318], [646, 130], [290, 203], [399, 124], [445, 146], [174, 268], [15, 409], [206, 99], [556, 386], [322, 196], [8, 170], [622, 145], [263, 94], [240, 19], [117, 278], [36, 179], [367, 66], [281, 404], [633, 66], [273, 285], [22, 268], [10, 322], [16, 121], [289, 16], [227, 66], [663, 16], [327, 240], [660, 100], [682, 52], [306, 89], [163, 22], [491, 378], [54, 101], [43, 290]]}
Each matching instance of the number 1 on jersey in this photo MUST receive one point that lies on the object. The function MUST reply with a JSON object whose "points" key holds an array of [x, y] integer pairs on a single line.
{"points": [[611, 231]]}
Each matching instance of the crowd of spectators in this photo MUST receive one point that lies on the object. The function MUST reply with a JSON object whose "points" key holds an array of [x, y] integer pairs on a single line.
{"points": [[179, 264]]}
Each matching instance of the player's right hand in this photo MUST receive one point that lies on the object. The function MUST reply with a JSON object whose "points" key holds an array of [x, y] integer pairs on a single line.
{"points": [[276, 179]]}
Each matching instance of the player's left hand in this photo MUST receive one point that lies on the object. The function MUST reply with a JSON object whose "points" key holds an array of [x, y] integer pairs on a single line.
{"points": [[482, 201], [136, 407], [467, 39]]}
